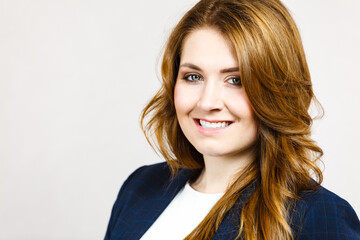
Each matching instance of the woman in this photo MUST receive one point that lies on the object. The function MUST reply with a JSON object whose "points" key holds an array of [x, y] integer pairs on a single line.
{"points": [[231, 120]]}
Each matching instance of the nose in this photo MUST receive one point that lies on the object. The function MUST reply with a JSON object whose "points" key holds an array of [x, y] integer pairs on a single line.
{"points": [[210, 98]]}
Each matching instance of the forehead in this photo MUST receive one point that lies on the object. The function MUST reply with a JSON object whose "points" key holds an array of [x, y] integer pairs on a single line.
{"points": [[208, 47]]}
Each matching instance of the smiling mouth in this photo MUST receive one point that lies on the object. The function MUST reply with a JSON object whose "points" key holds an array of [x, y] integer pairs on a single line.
{"points": [[213, 124]]}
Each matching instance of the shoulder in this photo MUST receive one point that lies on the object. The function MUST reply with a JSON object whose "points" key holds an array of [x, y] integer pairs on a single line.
{"points": [[150, 171], [325, 215], [148, 176], [152, 181], [323, 203], [143, 190]]}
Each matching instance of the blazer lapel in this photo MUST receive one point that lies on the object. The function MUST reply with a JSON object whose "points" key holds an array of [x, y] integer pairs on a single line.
{"points": [[154, 206], [229, 227], [157, 192]]}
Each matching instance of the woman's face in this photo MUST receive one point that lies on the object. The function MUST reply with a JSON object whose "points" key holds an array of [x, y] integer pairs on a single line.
{"points": [[211, 106]]}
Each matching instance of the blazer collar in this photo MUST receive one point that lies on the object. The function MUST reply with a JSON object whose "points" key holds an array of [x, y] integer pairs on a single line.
{"points": [[162, 199], [227, 228]]}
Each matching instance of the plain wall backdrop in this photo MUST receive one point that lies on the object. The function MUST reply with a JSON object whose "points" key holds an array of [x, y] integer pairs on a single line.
{"points": [[74, 76]]}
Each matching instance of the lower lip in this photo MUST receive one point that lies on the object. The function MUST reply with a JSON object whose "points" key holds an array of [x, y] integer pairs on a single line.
{"points": [[209, 131]]}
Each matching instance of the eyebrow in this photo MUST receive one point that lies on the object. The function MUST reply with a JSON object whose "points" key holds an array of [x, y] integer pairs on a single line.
{"points": [[225, 70]]}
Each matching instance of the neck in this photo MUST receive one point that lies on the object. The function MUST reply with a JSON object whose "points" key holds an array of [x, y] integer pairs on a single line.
{"points": [[220, 172]]}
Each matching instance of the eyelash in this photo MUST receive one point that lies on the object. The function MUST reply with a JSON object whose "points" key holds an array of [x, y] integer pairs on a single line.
{"points": [[186, 78], [236, 84]]}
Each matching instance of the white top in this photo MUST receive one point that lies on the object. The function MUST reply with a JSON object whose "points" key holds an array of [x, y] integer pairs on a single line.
{"points": [[182, 215]]}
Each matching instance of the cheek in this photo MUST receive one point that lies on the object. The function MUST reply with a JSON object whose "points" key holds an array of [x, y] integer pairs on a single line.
{"points": [[177, 98], [182, 99], [240, 106], [250, 117], [249, 109]]}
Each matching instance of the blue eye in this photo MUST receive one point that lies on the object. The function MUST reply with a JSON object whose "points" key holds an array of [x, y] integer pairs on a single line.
{"points": [[235, 81], [192, 77]]}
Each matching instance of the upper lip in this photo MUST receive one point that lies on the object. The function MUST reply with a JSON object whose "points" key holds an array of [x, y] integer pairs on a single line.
{"points": [[213, 121]]}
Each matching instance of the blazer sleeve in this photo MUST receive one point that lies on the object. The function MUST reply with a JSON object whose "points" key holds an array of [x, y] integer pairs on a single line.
{"points": [[330, 218], [116, 208]]}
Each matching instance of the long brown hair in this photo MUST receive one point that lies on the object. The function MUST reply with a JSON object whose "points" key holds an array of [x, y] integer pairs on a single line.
{"points": [[276, 79]]}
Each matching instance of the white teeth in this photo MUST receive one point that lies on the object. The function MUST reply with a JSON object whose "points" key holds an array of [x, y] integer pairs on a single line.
{"points": [[206, 124]]}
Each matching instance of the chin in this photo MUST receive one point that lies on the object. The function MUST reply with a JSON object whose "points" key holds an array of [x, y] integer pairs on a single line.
{"points": [[216, 152], [223, 151]]}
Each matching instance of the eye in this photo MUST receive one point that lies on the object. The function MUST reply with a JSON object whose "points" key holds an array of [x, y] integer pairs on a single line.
{"points": [[192, 77], [235, 81]]}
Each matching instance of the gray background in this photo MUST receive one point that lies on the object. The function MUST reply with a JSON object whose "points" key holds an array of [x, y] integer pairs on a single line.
{"points": [[74, 76]]}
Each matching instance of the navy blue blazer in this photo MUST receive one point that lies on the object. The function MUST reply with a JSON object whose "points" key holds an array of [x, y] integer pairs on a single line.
{"points": [[148, 191]]}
